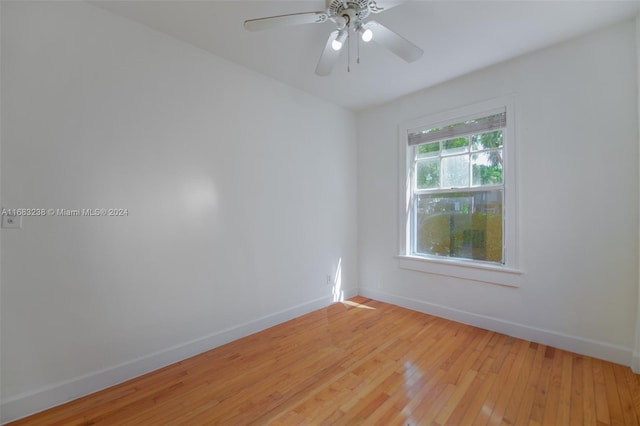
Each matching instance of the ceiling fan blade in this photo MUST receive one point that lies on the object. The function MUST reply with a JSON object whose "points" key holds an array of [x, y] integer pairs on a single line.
{"points": [[394, 42], [376, 7], [285, 20], [329, 56]]}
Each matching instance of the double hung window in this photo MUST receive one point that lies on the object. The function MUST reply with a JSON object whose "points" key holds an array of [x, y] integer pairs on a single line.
{"points": [[458, 177], [458, 189]]}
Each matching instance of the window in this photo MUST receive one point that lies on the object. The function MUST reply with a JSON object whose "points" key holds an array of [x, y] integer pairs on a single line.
{"points": [[458, 187], [458, 179]]}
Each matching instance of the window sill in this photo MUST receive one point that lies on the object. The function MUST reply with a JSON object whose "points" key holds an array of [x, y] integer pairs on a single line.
{"points": [[500, 275]]}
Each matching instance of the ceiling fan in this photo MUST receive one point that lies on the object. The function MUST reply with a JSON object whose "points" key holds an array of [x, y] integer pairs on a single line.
{"points": [[348, 15]]}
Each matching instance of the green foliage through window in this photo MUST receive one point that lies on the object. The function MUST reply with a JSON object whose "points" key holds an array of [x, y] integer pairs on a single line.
{"points": [[474, 160]]}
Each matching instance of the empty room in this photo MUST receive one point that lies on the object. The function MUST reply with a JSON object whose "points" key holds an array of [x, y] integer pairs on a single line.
{"points": [[319, 212]]}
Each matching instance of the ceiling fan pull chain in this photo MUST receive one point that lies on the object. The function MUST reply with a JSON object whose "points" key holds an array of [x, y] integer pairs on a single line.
{"points": [[358, 50], [348, 50]]}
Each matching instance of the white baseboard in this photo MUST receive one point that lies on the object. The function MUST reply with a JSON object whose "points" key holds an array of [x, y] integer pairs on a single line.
{"points": [[32, 402], [580, 345]]}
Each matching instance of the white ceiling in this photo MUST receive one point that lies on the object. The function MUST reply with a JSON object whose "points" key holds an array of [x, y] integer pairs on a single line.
{"points": [[457, 37]]}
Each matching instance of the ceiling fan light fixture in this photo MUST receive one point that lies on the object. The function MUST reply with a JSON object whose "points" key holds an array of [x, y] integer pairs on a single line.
{"points": [[366, 35], [339, 40]]}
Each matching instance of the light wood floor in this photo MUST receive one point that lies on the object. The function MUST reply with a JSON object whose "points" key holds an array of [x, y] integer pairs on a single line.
{"points": [[374, 363]]}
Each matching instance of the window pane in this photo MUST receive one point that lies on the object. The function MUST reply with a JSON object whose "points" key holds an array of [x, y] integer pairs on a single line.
{"points": [[486, 140], [428, 150], [455, 146], [455, 171], [487, 168], [465, 225], [428, 173]]}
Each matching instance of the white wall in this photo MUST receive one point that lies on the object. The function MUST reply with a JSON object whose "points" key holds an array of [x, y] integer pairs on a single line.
{"points": [[240, 201], [577, 141]]}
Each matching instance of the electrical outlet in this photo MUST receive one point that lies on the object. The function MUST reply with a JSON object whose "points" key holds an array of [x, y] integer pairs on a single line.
{"points": [[328, 279], [11, 222]]}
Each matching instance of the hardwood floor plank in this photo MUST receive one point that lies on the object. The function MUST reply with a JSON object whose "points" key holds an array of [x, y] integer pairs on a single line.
{"points": [[419, 382], [471, 404], [553, 397], [441, 395], [475, 399], [613, 397], [633, 383], [524, 410], [509, 381], [488, 407], [429, 386], [588, 394], [576, 414], [452, 402], [541, 389], [368, 362], [602, 405], [564, 405], [519, 389], [626, 400]]}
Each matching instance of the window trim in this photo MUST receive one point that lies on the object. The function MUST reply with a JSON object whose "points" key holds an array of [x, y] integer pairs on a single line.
{"points": [[503, 274]]}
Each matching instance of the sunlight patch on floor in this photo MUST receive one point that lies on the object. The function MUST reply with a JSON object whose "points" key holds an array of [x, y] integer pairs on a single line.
{"points": [[356, 305]]}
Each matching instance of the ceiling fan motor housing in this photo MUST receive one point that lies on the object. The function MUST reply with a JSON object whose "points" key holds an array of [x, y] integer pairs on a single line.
{"points": [[354, 11]]}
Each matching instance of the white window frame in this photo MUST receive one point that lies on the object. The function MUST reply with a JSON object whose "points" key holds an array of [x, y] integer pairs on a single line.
{"points": [[507, 274]]}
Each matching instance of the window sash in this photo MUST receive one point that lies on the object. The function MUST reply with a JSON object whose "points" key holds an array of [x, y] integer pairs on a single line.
{"points": [[415, 228], [440, 156]]}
